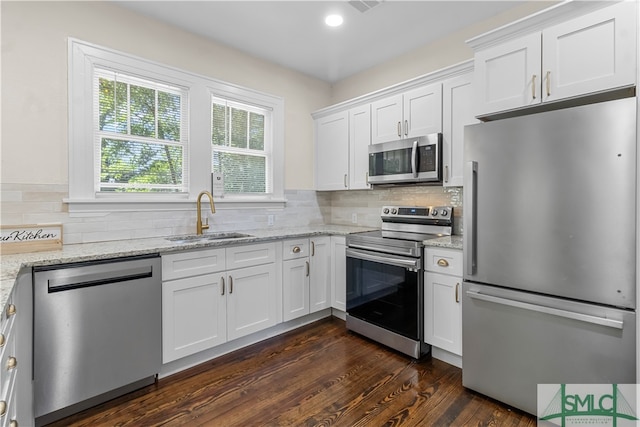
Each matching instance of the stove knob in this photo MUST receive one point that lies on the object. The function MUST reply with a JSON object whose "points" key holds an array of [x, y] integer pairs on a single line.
{"points": [[385, 211], [434, 212], [394, 211], [443, 213]]}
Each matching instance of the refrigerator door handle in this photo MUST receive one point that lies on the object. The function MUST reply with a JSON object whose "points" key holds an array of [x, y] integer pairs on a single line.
{"points": [[616, 324], [469, 242]]}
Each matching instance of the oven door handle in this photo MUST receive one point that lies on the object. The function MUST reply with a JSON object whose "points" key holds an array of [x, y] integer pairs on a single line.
{"points": [[389, 259]]}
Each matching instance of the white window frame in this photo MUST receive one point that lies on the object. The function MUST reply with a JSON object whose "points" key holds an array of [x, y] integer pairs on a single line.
{"points": [[83, 57]]}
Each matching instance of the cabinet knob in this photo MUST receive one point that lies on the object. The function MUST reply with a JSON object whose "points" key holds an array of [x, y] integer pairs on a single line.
{"points": [[296, 249], [3, 407], [12, 362], [13, 423], [11, 310], [443, 262], [2, 340]]}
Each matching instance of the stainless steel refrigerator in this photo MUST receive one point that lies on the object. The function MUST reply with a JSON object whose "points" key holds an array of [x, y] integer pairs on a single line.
{"points": [[549, 293]]}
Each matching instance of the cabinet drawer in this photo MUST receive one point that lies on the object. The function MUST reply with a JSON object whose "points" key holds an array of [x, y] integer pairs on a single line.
{"points": [[192, 263], [446, 261], [294, 249], [250, 255]]}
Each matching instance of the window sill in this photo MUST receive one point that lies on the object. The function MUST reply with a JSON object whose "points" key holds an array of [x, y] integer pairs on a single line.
{"points": [[106, 205]]}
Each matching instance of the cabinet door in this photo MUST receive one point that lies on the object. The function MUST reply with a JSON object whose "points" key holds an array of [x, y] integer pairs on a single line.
{"points": [[339, 273], [332, 152], [591, 53], [359, 141], [457, 112], [251, 300], [295, 288], [508, 76], [386, 119], [193, 315], [422, 111], [443, 314], [320, 285]]}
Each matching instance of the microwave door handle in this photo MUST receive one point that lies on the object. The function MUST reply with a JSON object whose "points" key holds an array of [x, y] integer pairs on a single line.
{"points": [[414, 159]]}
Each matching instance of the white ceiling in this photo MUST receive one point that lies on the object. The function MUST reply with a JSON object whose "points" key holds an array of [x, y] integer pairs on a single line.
{"points": [[293, 33]]}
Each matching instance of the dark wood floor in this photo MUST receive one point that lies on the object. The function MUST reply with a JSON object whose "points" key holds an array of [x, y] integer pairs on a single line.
{"points": [[318, 375]]}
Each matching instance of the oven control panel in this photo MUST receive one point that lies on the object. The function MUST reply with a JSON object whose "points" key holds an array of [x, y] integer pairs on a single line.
{"points": [[416, 212]]}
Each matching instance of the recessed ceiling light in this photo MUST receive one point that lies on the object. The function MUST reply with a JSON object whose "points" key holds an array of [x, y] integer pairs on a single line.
{"points": [[333, 20]]}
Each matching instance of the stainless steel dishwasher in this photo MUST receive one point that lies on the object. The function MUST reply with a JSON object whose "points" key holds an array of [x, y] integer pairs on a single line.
{"points": [[97, 332]]}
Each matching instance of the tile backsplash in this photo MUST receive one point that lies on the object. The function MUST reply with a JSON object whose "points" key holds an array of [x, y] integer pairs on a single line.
{"points": [[41, 203]]}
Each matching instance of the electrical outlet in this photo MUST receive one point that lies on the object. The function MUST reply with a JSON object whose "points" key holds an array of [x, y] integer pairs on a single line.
{"points": [[354, 218], [270, 219]]}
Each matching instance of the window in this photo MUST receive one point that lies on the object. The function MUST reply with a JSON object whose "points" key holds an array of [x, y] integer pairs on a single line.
{"points": [[146, 136], [241, 146], [140, 135]]}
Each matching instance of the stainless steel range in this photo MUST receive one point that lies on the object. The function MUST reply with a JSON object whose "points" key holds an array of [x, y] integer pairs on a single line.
{"points": [[385, 276]]}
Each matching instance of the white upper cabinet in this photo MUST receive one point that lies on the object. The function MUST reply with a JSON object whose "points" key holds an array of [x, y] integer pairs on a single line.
{"points": [[359, 141], [457, 112], [508, 76], [591, 53], [342, 149], [332, 152], [413, 113]]}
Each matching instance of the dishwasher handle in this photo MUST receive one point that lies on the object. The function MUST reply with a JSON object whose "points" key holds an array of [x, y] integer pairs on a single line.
{"points": [[77, 281]]}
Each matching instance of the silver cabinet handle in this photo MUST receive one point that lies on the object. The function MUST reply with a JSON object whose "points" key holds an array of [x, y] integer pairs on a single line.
{"points": [[222, 287], [457, 292], [400, 129], [548, 83], [414, 159], [230, 284], [307, 263], [533, 86], [345, 180], [446, 173], [313, 248], [469, 241], [406, 127], [616, 324]]}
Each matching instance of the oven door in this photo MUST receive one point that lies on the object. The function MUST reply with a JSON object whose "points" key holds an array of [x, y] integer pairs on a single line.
{"points": [[385, 290], [407, 160]]}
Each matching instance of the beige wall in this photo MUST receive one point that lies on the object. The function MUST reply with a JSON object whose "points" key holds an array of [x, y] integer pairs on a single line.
{"points": [[34, 82], [434, 56]]}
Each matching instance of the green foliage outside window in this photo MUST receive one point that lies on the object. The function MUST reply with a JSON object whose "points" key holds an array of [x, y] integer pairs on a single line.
{"points": [[139, 129], [238, 139]]}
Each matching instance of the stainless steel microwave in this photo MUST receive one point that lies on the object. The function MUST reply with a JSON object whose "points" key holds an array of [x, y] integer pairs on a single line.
{"points": [[407, 160]]}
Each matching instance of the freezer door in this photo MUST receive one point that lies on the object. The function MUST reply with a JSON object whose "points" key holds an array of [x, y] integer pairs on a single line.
{"points": [[550, 203], [513, 341]]}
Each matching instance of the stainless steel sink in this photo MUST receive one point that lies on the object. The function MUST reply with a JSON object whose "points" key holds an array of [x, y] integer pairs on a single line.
{"points": [[207, 236]]}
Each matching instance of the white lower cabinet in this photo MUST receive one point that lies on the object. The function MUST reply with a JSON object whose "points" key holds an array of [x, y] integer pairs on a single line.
{"points": [[200, 311], [443, 310], [339, 273], [306, 276]]}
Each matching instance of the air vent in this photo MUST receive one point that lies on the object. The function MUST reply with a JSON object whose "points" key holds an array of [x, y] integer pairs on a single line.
{"points": [[364, 5]]}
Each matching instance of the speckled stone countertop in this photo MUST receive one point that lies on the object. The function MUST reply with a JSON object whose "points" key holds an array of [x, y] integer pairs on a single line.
{"points": [[451, 242], [10, 265]]}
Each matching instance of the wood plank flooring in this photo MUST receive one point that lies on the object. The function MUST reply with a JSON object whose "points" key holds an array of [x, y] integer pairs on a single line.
{"points": [[317, 375]]}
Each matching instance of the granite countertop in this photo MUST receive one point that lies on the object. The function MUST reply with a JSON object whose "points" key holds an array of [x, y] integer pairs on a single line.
{"points": [[451, 242], [10, 265]]}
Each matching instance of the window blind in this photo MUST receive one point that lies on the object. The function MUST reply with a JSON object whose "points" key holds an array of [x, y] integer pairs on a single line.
{"points": [[141, 134]]}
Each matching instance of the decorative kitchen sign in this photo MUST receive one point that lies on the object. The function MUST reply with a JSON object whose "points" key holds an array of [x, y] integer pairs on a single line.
{"points": [[16, 239]]}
